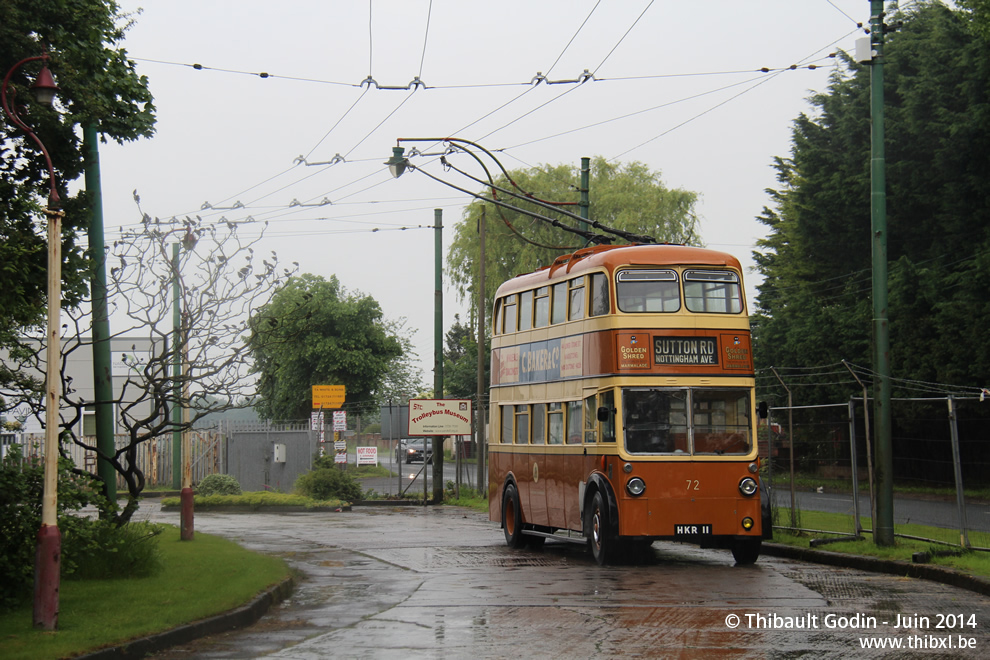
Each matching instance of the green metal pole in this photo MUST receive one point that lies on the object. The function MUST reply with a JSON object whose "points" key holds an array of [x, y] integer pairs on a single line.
{"points": [[585, 204], [479, 423], [883, 535], [102, 375], [176, 372], [438, 349]]}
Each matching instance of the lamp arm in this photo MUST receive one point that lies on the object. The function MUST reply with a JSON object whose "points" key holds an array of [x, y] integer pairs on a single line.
{"points": [[53, 198]]}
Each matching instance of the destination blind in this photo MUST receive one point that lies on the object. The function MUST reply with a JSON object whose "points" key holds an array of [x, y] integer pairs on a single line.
{"points": [[685, 350]]}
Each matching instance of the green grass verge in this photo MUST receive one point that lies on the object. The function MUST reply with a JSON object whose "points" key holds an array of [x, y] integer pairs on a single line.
{"points": [[469, 498], [254, 501], [804, 481], [975, 563], [202, 577]]}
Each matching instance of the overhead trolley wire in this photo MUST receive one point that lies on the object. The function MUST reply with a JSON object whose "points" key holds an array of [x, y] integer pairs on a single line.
{"points": [[581, 80], [335, 125], [426, 38], [623, 38]]}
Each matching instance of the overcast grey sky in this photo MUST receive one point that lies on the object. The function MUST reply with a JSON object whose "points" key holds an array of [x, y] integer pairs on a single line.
{"points": [[675, 84]]}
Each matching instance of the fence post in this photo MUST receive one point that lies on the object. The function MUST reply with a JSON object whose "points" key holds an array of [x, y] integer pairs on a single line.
{"points": [[957, 469], [790, 442], [853, 465]]}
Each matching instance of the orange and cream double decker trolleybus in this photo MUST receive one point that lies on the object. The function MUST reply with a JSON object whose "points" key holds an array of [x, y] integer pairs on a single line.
{"points": [[622, 403]]}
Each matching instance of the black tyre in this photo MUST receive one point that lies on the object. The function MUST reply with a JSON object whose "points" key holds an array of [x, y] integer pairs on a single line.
{"points": [[746, 551], [512, 517], [600, 539]]}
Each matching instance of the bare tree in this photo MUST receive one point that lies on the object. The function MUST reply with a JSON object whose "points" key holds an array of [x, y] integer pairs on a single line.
{"points": [[197, 361]]}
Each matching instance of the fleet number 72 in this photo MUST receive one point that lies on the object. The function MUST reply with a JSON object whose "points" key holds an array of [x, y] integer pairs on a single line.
{"points": [[693, 484]]}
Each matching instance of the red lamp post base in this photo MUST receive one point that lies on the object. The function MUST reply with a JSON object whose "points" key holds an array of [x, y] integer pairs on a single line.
{"points": [[186, 524], [46, 577]]}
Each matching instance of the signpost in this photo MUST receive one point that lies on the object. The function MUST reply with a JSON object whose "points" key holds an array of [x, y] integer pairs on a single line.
{"points": [[367, 455], [328, 397], [440, 417]]}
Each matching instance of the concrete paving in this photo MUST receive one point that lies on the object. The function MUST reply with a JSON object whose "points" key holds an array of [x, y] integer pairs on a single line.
{"points": [[439, 582]]}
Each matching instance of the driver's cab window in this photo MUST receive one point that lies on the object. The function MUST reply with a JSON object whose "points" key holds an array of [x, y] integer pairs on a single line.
{"points": [[654, 421]]}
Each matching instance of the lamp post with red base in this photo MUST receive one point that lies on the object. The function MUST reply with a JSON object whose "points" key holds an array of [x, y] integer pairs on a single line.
{"points": [[49, 550]]}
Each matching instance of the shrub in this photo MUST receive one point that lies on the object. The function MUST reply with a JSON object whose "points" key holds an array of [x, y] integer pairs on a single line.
{"points": [[21, 486], [218, 484], [100, 550], [329, 484]]}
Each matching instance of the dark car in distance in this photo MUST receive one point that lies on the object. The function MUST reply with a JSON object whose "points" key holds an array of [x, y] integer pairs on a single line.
{"points": [[412, 449]]}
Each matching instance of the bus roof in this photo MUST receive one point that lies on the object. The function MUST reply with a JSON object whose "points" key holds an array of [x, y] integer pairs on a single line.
{"points": [[614, 256]]}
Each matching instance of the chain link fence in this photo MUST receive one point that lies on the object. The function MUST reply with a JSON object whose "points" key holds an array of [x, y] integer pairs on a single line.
{"points": [[819, 460]]}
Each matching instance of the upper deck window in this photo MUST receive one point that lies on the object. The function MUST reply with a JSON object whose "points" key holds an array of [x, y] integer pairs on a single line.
{"points": [[599, 294], [541, 308], [647, 291], [509, 314], [525, 310], [576, 310], [558, 313], [712, 291]]}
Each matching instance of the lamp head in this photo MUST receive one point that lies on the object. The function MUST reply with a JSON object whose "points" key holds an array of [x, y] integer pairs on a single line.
{"points": [[397, 163], [44, 87]]}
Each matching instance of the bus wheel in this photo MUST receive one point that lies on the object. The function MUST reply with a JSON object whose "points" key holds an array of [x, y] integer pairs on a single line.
{"points": [[512, 517], [746, 551], [602, 545]]}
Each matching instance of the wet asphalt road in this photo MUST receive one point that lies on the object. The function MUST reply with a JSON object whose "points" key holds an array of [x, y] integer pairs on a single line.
{"points": [[439, 582]]}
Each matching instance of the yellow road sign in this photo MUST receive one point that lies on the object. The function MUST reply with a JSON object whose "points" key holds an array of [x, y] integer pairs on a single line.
{"points": [[328, 396]]}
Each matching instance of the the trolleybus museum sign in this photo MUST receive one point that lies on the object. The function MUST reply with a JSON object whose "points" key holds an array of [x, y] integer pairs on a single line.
{"points": [[440, 417]]}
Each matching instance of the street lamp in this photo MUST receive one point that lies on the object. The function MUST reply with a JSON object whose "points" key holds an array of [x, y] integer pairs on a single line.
{"points": [[181, 450], [49, 549]]}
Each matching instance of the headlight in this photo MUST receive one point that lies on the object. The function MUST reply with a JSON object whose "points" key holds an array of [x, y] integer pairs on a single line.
{"points": [[748, 486], [636, 486]]}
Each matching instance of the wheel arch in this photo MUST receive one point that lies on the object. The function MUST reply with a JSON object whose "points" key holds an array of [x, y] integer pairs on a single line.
{"points": [[597, 483]]}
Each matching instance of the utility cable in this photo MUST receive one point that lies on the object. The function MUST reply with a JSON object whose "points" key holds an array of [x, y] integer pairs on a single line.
{"points": [[749, 89]]}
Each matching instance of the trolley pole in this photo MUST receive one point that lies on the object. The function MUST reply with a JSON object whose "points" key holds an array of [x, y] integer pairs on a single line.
{"points": [[884, 533]]}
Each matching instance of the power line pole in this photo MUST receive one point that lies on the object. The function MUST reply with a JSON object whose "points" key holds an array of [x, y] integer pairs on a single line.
{"points": [[883, 535], [584, 205], [437, 353], [102, 372], [479, 445]]}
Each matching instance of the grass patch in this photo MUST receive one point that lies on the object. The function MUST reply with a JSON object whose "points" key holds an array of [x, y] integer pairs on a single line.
{"points": [[804, 481], [469, 498], [201, 578], [255, 501], [365, 471], [975, 563]]}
